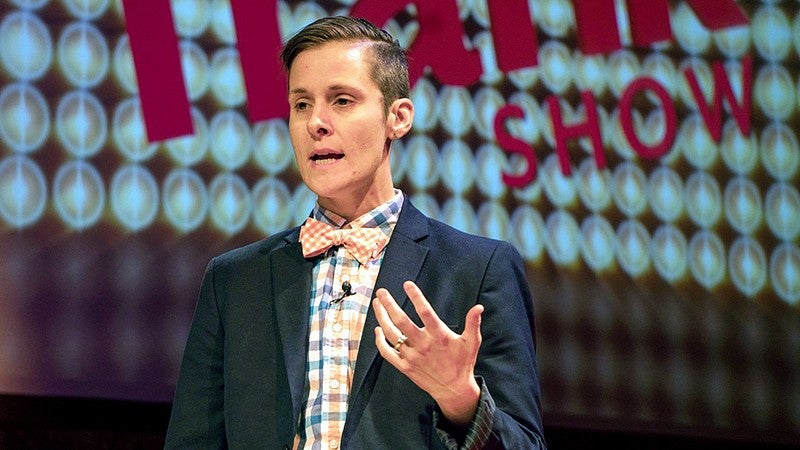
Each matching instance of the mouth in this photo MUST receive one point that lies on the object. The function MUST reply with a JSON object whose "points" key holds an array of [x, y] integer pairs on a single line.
{"points": [[326, 158]]}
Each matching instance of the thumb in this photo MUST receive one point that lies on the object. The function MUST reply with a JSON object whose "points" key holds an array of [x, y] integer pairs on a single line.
{"points": [[472, 327]]}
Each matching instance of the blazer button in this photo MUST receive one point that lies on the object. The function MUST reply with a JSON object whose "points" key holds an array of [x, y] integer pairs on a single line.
{"points": [[285, 447]]}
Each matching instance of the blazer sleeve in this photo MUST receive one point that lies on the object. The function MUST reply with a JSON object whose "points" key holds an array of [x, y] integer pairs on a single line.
{"points": [[197, 418], [507, 357]]}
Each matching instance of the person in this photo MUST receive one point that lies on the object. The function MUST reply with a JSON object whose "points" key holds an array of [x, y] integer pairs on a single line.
{"points": [[370, 326]]}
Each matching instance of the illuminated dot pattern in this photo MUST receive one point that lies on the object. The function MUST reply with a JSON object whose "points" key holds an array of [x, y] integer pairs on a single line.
{"points": [[79, 194], [23, 191], [25, 122]]}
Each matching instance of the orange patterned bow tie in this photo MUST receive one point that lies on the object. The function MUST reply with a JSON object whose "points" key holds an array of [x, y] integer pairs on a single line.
{"points": [[365, 244]]}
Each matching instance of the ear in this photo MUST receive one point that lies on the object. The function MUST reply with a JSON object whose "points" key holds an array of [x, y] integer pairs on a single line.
{"points": [[400, 118]]}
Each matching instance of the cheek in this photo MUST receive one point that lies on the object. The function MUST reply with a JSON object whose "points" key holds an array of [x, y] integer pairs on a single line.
{"points": [[369, 151], [296, 131], [371, 136]]}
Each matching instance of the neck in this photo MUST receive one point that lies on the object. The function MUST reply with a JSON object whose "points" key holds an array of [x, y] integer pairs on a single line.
{"points": [[356, 207], [355, 204]]}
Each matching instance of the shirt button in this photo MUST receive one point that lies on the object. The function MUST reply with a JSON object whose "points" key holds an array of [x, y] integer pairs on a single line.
{"points": [[334, 384], [333, 443], [337, 327]]}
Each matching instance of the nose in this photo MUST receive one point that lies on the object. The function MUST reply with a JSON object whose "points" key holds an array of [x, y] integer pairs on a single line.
{"points": [[319, 123]]}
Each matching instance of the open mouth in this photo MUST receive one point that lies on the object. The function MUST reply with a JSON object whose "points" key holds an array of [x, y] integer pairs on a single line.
{"points": [[326, 158]]}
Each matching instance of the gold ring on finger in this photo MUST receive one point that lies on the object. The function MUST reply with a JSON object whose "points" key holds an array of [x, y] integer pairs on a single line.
{"points": [[400, 341]]}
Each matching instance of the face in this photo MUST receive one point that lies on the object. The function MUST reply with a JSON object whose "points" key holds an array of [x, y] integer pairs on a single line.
{"points": [[340, 129]]}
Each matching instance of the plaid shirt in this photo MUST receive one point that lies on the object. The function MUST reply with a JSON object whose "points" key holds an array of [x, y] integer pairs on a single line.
{"points": [[336, 322]]}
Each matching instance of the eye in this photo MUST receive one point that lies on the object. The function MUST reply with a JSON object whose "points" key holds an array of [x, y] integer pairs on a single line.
{"points": [[342, 101], [300, 105]]}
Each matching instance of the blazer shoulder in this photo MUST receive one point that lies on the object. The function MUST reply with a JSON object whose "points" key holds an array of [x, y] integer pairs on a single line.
{"points": [[444, 234], [419, 227], [446, 240], [258, 249]]}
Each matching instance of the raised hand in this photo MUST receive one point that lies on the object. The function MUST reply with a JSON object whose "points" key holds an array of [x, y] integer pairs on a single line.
{"points": [[438, 360]]}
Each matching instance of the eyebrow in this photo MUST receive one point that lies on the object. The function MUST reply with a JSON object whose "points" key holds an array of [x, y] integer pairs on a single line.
{"points": [[336, 87]]}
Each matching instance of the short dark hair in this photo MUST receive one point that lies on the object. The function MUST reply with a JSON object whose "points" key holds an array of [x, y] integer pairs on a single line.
{"points": [[390, 63]]}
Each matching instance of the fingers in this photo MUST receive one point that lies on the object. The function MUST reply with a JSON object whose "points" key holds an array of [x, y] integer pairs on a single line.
{"points": [[424, 309], [394, 322], [434, 325], [382, 343]]}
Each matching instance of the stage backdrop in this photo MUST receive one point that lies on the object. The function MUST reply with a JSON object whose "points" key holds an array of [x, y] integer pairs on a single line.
{"points": [[642, 156]]}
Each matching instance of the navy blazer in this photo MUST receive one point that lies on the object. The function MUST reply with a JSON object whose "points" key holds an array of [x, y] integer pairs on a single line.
{"points": [[243, 370]]}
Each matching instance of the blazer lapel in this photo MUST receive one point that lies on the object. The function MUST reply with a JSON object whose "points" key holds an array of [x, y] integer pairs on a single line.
{"points": [[403, 260], [291, 282]]}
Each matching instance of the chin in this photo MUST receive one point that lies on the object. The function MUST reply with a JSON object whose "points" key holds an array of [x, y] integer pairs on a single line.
{"points": [[325, 190]]}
